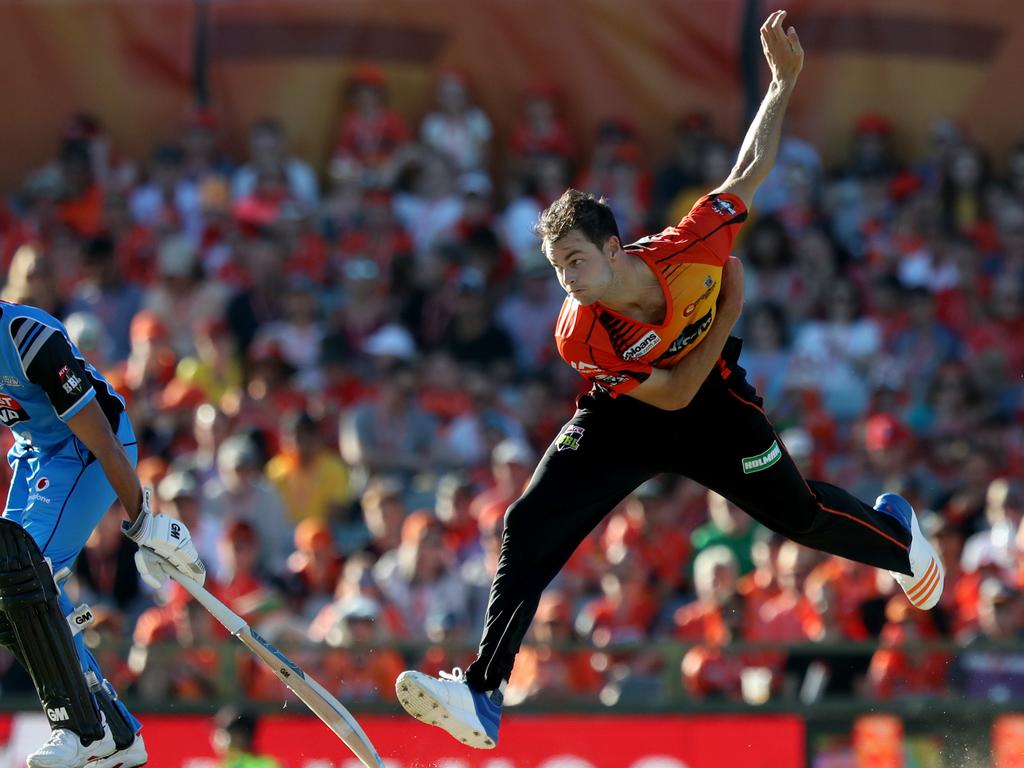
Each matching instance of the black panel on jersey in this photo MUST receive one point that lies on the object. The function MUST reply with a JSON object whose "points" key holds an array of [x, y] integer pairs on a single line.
{"points": [[54, 367]]}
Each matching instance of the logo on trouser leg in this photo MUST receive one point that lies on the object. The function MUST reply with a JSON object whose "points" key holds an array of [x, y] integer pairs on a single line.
{"points": [[570, 439], [57, 714], [763, 460]]}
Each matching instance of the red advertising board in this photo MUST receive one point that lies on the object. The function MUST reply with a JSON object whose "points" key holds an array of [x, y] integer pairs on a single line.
{"points": [[555, 741]]}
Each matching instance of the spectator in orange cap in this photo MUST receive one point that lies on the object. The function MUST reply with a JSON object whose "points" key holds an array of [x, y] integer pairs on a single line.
{"points": [[315, 566]]}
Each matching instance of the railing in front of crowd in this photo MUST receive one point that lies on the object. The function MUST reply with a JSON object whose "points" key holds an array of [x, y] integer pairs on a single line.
{"points": [[821, 682]]}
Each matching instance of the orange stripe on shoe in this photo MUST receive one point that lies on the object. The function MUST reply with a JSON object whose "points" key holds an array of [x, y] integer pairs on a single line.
{"points": [[866, 524], [924, 598], [927, 588], [922, 582]]}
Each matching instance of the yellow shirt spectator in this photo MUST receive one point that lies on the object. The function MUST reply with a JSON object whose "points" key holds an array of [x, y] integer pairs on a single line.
{"points": [[317, 489]]}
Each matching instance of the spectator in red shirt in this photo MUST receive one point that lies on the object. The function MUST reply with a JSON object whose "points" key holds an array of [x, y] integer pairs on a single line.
{"points": [[369, 131]]}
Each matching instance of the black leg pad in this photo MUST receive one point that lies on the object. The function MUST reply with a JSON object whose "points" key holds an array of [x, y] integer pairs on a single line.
{"points": [[29, 599]]}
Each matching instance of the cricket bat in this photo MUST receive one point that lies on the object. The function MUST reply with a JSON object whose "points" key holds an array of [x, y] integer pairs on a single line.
{"points": [[312, 694]]}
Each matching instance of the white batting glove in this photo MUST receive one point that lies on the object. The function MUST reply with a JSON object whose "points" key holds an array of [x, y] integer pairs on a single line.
{"points": [[162, 538]]}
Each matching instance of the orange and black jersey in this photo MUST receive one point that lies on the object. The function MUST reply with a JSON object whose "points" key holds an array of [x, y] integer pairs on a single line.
{"points": [[616, 353]]}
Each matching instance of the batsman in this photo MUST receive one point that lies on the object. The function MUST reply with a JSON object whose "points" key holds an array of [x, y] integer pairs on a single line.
{"points": [[74, 453]]}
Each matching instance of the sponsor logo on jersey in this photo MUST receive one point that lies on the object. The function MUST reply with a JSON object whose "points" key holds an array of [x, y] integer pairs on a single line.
{"points": [[586, 368], [57, 714], [569, 440], [10, 381], [690, 334], [11, 411], [709, 284], [649, 341], [723, 207], [42, 483], [69, 381], [762, 461]]}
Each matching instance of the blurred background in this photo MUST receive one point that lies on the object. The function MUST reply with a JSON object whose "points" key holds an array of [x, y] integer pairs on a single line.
{"points": [[296, 236]]}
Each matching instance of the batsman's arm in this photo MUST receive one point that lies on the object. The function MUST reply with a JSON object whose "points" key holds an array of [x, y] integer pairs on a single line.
{"points": [[90, 425]]}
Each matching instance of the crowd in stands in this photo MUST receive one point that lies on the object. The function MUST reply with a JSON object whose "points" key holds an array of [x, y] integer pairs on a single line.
{"points": [[341, 376]]}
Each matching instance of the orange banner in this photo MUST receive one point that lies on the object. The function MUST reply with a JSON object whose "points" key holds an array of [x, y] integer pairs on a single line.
{"points": [[651, 60], [129, 63]]}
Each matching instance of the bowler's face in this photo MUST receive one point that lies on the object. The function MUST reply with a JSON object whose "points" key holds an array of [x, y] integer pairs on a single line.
{"points": [[583, 269]]}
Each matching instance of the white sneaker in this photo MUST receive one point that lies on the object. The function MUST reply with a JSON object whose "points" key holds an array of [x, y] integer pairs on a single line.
{"points": [[64, 749], [132, 756], [450, 704], [924, 588]]}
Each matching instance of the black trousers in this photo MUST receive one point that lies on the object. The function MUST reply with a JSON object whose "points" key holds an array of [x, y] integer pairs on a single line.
{"points": [[722, 440]]}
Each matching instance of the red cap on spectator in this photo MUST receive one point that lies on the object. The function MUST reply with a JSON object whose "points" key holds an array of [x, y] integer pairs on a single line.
{"points": [[883, 431], [872, 122], [904, 185], [367, 74]]}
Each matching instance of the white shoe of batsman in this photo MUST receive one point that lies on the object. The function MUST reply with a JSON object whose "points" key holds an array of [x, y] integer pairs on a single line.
{"points": [[166, 538], [132, 756], [65, 750]]}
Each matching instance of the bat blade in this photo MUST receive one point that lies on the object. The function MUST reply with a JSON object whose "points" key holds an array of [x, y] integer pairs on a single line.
{"points": [[320, 701]]}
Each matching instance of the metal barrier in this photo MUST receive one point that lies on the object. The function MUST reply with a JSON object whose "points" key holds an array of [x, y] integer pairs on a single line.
{"points": [[960, 727]]}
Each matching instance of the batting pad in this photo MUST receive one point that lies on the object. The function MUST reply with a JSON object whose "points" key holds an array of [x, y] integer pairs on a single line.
{"points": [[28, 597]]}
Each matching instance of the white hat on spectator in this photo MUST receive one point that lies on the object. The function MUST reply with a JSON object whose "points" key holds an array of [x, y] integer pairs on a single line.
{"points": [[177, 485], [358, 607], [512, 451], [86, 331], [798, 442], [391, 341], [176, 256]]}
